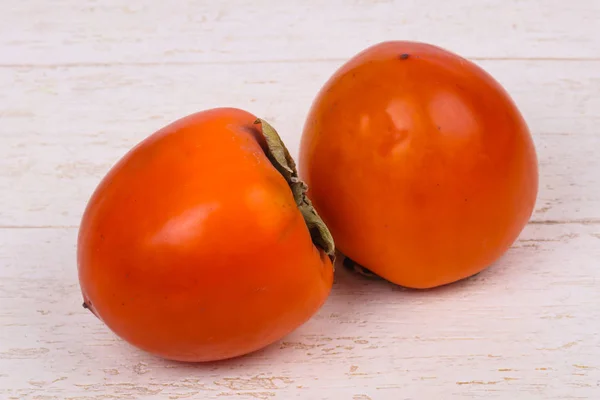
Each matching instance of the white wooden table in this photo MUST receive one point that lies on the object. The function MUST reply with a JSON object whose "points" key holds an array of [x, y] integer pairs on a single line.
{"points": [[83, 81]]}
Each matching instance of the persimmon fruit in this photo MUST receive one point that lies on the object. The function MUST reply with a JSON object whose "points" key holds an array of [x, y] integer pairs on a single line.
{"points": [[420, 164], [200, 243]]}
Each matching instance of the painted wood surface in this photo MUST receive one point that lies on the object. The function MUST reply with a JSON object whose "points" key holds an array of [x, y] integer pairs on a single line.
{"points": [[81, 82]]}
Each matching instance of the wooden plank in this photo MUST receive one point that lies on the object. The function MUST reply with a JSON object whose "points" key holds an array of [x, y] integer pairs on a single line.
{"points": [[83, 81], [65, 127], [138, 32], [525, 328]]}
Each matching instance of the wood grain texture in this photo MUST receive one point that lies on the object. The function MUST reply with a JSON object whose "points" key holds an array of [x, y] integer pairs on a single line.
{"points": [[527, 327], [142, 32], [82, 81], [93, 115]]}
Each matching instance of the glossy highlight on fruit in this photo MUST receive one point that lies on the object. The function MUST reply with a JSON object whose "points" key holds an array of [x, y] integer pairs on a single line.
{"points": [[420, 164], [200, 244]]}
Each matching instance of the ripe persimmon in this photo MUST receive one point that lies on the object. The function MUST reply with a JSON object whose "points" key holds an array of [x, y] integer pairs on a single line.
{"points": [[420, 164], [200, 243]]}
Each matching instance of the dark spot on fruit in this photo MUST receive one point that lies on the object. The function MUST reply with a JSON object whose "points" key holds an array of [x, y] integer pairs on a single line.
{"points": [[404, 56], [85, 305]]}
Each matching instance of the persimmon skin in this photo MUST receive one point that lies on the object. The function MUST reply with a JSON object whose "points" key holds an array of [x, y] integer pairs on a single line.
{"points": [[419, 163], [192, 247]]}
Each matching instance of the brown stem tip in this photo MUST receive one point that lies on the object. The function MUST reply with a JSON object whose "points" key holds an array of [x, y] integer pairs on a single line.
{"points": [[359, 269], [281, 159]]}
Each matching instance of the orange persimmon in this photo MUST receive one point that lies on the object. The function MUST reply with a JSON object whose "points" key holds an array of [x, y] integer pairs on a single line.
{"points": [[200, 243], [420, 164]]}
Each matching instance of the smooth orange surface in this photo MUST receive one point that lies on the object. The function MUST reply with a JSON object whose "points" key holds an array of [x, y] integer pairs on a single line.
{"points": [[192, 247], [419, 163]]}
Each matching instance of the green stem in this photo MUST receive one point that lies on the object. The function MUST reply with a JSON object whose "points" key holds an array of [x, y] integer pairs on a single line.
{"points": [[281, 159]]}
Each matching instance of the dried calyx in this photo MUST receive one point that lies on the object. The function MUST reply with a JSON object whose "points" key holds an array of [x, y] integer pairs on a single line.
{"points": [[280, 157]]}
